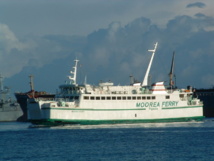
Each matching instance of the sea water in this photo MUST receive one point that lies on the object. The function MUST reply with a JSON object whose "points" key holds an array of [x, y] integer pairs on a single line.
{"points": [[144, 142]]}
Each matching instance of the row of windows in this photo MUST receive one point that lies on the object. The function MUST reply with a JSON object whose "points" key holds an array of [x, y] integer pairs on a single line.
{"points": [[115, 98], [72, 97], [121, 98]]}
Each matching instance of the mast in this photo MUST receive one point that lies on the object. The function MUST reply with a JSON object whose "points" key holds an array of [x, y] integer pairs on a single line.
{"points": [[1, 83], [171, 83], [74, 77], [145, 81], [131, 79], [31, 83]]}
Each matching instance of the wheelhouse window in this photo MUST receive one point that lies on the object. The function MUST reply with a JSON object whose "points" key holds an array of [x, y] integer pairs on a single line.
{"points": [[153, 97], [118, 98], [92, 98], [181, 95], [138, 98], [167, 97], [103, 98], [71, 97]]}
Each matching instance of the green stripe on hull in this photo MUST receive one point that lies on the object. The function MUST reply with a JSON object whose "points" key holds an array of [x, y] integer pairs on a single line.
{"points": [[55, 122], [85, 109], [165, 108]]}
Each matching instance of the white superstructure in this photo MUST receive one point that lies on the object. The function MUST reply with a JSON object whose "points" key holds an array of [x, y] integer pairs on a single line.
{"points": [[106, 103]]}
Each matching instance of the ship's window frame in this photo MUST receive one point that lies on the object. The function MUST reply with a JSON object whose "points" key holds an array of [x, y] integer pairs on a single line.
{"points": [[92, 98], [108, 98], [123, 98], [138, 97], [71, 97], [86, 97], [181, 95], [103, 98], [153, 97], [148, 97], [118, 98], [143, 98], [113, 98], [133, 97], [167, 97], [97, 98], [129, 98]]}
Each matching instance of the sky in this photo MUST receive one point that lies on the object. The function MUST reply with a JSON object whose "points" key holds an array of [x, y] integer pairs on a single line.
{"points": [[110, 38]]}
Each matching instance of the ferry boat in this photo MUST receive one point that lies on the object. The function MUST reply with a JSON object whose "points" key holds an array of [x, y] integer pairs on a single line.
{"points": [[109, 104]]}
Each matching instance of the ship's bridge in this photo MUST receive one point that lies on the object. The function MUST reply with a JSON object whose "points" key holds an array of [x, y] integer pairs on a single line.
{"points": [[71, 89]]}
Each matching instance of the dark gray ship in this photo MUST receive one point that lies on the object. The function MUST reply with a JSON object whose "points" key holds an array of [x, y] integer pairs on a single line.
{"points": [[207, 97], [9, 108]]}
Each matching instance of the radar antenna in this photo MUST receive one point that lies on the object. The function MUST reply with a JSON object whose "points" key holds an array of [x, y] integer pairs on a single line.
{"points": [[74, 77]]}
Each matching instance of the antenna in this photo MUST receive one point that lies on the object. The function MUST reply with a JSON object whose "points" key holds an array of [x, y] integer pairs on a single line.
{"points": [[85, 81], [131, 79], [145, 81]]}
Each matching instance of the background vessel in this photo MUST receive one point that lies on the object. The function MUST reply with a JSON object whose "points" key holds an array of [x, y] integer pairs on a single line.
{"points": [[9, 108], [22, 97]]}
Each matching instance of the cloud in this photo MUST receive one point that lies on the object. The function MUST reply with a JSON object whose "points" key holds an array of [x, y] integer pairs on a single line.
{"points": [[8, 40], [11, 50], [113, 28], [196, 5], [116, 52], [200, 15], [16, 54], [186, 35]]}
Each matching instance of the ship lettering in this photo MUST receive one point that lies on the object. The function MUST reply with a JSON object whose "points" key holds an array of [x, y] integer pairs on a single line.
{"points": [[148, 104], [169, 103], [157, 104]]}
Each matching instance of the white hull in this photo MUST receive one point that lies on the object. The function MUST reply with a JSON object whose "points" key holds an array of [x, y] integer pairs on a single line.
{"points": [[115, 112]]}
